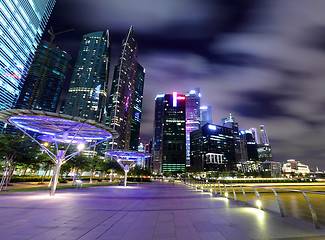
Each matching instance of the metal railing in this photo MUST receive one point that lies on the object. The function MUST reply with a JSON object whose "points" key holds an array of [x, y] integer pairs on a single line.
{"points": [[307, 205]]}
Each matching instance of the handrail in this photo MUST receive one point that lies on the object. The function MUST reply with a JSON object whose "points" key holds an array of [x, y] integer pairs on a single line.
{"points": [[209, 187]]}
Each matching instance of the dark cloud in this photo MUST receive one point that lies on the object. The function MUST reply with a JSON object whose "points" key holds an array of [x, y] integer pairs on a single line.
{"points": [[261, 105]]}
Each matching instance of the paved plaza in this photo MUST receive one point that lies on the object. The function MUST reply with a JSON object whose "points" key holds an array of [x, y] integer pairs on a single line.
{"points": [[151, 211]]}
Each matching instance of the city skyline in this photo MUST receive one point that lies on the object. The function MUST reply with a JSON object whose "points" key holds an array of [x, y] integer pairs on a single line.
{"points": [[249, 59]]}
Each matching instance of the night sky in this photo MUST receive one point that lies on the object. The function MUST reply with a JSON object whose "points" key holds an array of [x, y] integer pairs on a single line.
{"points": [[262, 60]]}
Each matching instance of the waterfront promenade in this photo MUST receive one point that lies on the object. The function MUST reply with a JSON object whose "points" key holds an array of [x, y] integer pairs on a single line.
{"points": [[151, 211]]}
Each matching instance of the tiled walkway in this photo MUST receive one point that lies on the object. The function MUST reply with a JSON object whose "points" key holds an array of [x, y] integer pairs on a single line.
{"points": [[151, 211]]}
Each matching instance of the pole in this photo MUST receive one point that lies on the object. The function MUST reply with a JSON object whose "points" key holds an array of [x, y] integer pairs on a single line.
{"points": [[125, 176], [57, 172]]}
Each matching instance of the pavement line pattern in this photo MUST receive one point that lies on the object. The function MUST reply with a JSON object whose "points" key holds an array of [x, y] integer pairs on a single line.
{"points": [[153, 211]]}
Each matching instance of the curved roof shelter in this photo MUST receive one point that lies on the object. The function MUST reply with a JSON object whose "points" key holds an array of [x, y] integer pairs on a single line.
{"points": [[58, 128], [126, 159], [54, 127], [127, 154]]}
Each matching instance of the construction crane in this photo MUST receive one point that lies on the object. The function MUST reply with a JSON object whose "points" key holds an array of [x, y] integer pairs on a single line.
{"points": [[41, 70]]}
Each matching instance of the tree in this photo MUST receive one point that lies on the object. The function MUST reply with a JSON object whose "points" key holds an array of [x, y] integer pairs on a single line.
{"points": [[16, 149], [110, 165], [78, 162], [93, 164]]}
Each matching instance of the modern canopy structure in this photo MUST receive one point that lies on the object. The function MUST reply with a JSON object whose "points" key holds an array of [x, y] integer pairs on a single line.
{"points": [[127, 159], [58, 129]]}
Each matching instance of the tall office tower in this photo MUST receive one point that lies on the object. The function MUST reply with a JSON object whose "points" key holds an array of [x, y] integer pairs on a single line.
{"points": [[170, 132], [192, 104], [137, 107], [213, 148], [22, 24], [125, 100], [264, 148], [205, 115], [263, 136], [157, 136], [88, 88], [44, 79], [230, 122], [249, 139]]}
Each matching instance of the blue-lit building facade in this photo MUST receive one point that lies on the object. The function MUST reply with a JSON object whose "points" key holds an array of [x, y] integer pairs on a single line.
{"points": [[157, 135], [126, 95], [192, 118], [44, 80], [170, 135], [213, 149], [87, 93], [205, 115], [21, 28]]}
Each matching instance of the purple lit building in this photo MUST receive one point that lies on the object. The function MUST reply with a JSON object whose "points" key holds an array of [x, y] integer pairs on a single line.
{"points": [[192, 118], [205, 115]]}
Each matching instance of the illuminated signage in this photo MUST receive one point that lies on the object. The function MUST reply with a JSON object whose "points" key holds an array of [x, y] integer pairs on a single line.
{"points": [[212, 127]]}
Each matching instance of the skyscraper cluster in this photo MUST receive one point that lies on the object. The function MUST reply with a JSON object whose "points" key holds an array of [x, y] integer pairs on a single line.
{"points": [[185, 137], [89, 96], [36, 83]]}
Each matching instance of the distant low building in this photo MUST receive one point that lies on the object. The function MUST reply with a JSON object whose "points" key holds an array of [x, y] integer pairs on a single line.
{"points": [[271, 169], [293, 166], [265, 169]]}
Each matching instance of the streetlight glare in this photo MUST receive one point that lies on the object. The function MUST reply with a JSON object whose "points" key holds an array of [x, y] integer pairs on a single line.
{"points": [[81, 146]]}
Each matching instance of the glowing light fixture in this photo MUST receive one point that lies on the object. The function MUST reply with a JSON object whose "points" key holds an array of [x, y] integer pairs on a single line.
{"points": [[212, 127], [81, 146], [226, 194], [160, 96], [46, 144], [259, 203], [192, 92], [174, 99], [204, 108]]}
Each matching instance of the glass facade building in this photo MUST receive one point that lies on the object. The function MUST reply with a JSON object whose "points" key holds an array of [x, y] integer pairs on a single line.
{"points": [[44, 80], [192, 118], [213, 142], [205, 115], [137, 107], [22, 24], [157, 136], [170, 134], [125, 99], [87, 93]]}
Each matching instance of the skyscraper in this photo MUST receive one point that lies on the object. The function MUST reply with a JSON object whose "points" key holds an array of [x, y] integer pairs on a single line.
{"points": [[157, 136], [88, 88], [230, 123], [125, 100], [22, 24], [192, 103], [170, 132], [213, 148], [137, 107], [44, 80], [205, 115]]}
